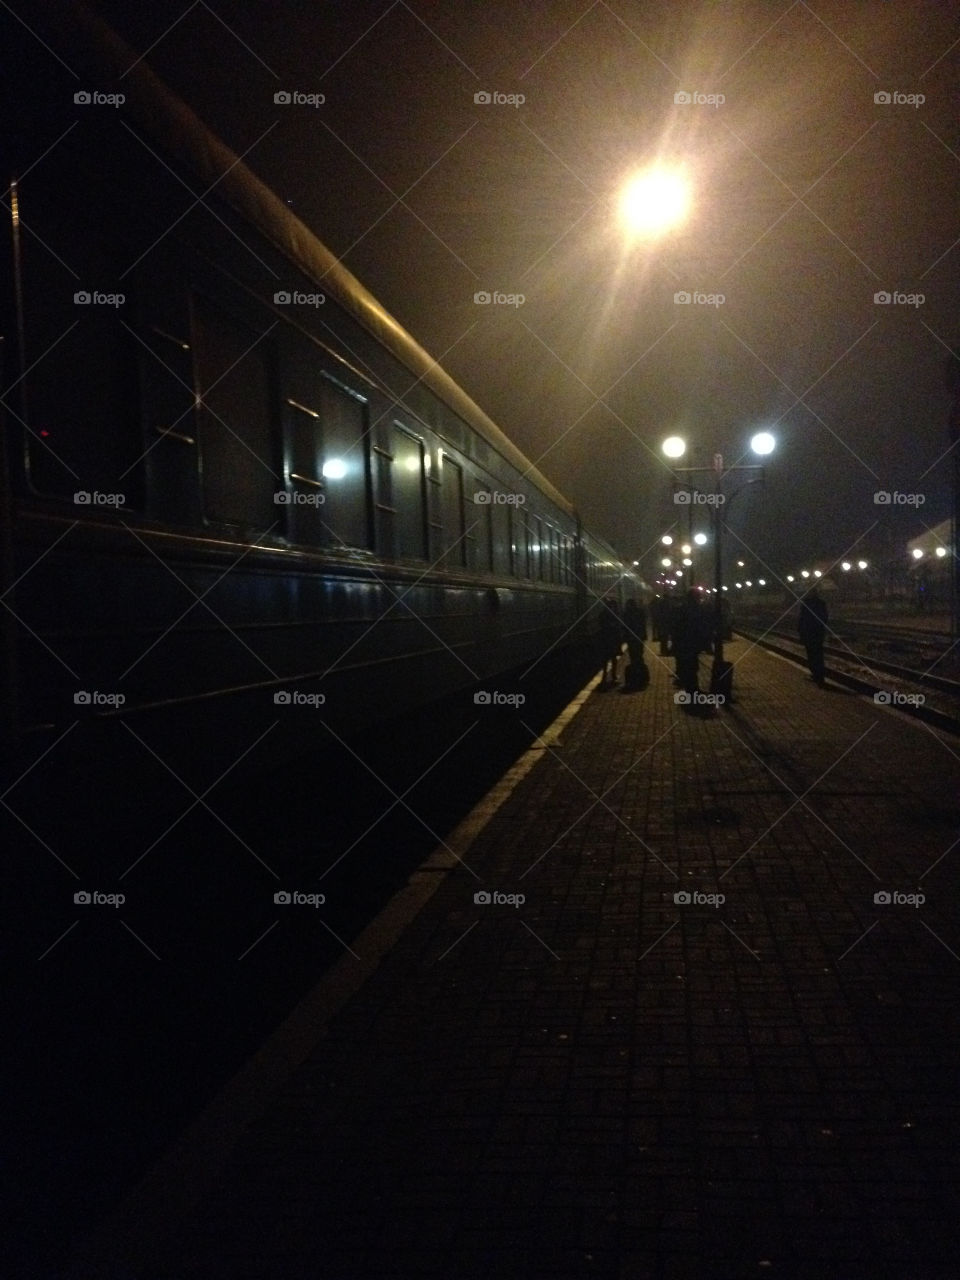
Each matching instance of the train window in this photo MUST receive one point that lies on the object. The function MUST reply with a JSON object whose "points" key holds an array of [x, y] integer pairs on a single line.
{"points": [[237, 449], [451, 490], [408, 493], [551, 573], [500, 538], [480, 531], [513, 540], [306, 488], [345, 465], [536, 548]]}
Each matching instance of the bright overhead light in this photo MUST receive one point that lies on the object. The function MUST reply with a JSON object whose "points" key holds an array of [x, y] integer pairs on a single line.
{"points": [[674, 447], [763, 443], [654, 202]]}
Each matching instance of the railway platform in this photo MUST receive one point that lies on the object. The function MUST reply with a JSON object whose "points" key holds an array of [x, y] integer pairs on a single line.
{"points": [[678, 1000]]}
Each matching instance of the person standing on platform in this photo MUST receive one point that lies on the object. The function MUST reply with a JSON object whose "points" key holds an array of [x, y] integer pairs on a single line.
{"points": [[635, 628], [688, 635], [611, 640], [812, 627], [660, 619]]}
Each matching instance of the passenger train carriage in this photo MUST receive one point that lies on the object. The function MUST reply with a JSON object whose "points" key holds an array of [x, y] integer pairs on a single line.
{"points": [[230, 477]]}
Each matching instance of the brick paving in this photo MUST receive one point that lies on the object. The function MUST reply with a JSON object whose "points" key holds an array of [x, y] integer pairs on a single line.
{"points": [[605, 1082]]}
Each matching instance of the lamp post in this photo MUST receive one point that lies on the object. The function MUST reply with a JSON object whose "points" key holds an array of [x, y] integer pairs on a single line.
{"points": [[762, 444]]}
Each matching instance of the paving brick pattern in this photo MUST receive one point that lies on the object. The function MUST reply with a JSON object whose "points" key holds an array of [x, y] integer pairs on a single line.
{"points": [[604, 1082]]}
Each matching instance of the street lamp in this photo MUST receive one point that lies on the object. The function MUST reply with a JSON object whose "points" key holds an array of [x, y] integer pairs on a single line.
{"points": [[674, 447], [654, 202]]}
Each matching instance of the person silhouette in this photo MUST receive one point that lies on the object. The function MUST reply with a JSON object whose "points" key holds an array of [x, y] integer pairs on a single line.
{"points": [[812, 626]]}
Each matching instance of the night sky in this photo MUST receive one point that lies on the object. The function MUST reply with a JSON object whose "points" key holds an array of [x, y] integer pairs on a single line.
{"points": [[808, 199]]}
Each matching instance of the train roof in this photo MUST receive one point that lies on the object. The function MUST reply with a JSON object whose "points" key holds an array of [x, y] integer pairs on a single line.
{"points": [[168, 121]]}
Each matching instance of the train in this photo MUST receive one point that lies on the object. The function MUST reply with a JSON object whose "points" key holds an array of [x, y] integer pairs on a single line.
{"points": [[234, 487]]}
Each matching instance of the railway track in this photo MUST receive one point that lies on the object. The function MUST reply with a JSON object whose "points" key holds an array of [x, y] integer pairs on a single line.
{"points": [[859, 673]]}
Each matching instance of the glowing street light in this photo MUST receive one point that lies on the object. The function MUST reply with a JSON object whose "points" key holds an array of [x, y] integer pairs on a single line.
{"points": [[667, 540], [673, 448], [917, 553], [654, 202]]}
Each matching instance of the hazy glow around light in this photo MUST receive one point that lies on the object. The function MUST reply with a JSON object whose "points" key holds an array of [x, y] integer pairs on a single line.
{"points": [[917, 553], [700, 539], [674, 447], [763, 443], [789, 577], [845, 566], [941, 552], [667, 540], [334, 469], [817, 573], [654, 202], [666, 562], [861, 564]]}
